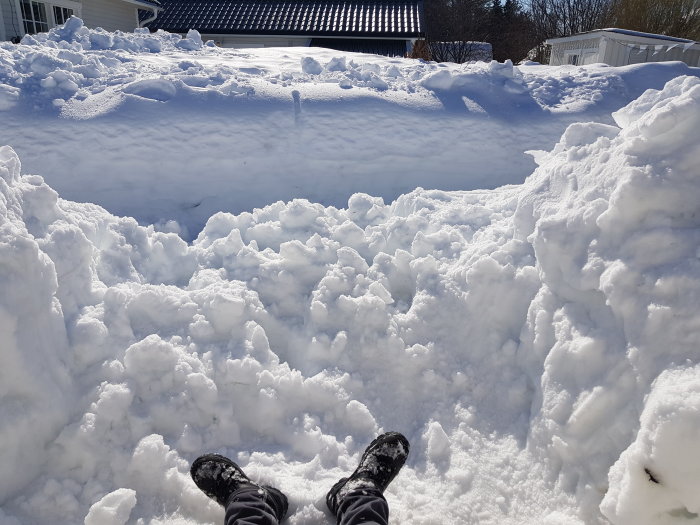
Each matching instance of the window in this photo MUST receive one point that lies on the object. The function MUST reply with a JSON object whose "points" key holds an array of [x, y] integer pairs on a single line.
{"points": [[572, 60], [61, 14], [34, 17], [38, 16]]}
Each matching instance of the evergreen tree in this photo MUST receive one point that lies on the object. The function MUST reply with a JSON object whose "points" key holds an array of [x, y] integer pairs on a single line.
{"points": [[513, 36]]}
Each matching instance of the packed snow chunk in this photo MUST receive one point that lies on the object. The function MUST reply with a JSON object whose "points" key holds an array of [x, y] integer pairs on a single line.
{"points": [[160, 89], [502, 69], [582, 134], [336, 64], [68, 31], [35, 380], [113, 509], [192, 42], [150, 357], [670, 121], [437, 443], [653, 98], [441, 80], [663, 143], [656, 481], [311, 66], [9, 96], [359, 418], [9, 166], [377, 82], [155, 468]]}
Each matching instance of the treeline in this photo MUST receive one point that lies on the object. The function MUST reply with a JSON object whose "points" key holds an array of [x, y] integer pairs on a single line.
{"points": [[515, 29]]}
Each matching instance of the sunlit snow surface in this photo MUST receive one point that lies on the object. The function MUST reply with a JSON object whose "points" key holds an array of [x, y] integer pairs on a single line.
{"points": [[537, 343], [159, 128]]}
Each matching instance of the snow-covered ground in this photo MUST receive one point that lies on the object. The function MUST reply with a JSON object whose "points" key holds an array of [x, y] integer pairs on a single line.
{"points": [[537, 342], [135, 122]]}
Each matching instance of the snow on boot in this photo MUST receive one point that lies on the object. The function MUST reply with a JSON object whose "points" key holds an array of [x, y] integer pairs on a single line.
{"points": [[219, 477], [380, 464]]}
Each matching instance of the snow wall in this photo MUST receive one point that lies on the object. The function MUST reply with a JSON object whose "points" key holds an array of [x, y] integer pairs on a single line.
{"points": [[538, 344], [170, 131]]}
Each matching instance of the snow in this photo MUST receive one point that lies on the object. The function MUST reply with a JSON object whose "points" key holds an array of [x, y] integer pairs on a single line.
{"points": [[166, 117], [209, 250]]}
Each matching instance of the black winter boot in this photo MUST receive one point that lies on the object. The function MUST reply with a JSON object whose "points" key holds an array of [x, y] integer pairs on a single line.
{"points": [[219, 477], [380, 464]]}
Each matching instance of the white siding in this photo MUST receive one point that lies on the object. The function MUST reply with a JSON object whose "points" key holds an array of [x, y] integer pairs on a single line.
{"points": [[9, 16], [586, 50], [109, 14], [618, 49], [621, 54], [257, 41]]}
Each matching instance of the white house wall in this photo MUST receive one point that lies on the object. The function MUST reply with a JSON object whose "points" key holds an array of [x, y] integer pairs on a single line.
{"points": [[620, 50], [586, 49], [257, 41], [109, 14], [621, 54], [2, 24], [10, 20]]}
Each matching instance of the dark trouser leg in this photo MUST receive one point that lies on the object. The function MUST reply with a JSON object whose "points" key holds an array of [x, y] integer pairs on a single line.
{"points": [[365, 506], [252, 505]]}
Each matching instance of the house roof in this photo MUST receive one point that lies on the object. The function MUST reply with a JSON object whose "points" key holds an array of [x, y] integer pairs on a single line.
{"points": [[333, 18], [625, 32]]}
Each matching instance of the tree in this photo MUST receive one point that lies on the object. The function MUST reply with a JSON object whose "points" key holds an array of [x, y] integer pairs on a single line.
{"points": [[460, 51], [456, 20], [452, 26], [503, 23], [555, 18], [679, 18], [512, 33]]}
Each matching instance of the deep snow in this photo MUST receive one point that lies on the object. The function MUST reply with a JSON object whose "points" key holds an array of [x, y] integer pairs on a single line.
{"points": [[537, 343], [145, 119]]}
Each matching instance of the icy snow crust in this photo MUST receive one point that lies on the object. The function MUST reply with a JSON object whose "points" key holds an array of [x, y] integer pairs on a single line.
{"points": [[160, 128], [537, 343]]}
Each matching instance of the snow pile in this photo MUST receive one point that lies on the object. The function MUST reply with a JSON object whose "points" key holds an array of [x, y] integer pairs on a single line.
{"points": [[512, 334], [162, 129], [617, 245], [73, 35], [662, 466]]}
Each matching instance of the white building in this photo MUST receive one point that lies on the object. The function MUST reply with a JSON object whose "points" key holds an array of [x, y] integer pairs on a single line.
{"points": [[21, 17], [619, 47]]}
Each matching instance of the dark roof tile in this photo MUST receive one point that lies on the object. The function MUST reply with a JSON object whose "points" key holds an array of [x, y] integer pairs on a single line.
{"points": [[349, 18]]}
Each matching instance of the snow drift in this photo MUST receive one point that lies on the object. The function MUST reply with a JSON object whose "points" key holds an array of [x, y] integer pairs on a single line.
{"points": [[537, 343], [169, 130]]}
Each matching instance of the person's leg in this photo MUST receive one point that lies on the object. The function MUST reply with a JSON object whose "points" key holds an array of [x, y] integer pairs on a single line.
{"points": [[253, 505], [359, 499], [246, 503], [364, 505]]}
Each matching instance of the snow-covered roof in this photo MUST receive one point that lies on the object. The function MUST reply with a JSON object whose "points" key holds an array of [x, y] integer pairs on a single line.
{"points": [[625, 32], [353, 18]]}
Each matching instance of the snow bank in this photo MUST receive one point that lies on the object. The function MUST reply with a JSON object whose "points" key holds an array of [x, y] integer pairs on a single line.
{"points": [[617, 250], [160, 128], [520, 337], [662, 466]]}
